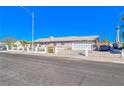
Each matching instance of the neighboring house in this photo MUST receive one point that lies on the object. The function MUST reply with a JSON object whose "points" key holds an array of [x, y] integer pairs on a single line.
{"points": [[2, 44], [19, 45], [73, 42]]}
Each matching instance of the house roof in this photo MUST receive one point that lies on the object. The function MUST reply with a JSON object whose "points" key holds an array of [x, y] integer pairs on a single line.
{"points": [[1, 43], [69, 38]]}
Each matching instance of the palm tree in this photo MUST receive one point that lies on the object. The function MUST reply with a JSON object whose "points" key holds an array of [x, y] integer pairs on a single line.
{"points": [[122, 26], [122, 35], [122, 16]]}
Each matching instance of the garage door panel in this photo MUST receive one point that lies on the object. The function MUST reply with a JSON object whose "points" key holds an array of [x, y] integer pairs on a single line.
{"points": [[81, 46]]}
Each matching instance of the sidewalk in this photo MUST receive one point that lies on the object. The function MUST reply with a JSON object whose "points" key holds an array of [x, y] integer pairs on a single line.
{"points": [[74, 56]]}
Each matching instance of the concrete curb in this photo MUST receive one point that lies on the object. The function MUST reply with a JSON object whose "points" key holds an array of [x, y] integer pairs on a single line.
{"points": [[67, 56]]}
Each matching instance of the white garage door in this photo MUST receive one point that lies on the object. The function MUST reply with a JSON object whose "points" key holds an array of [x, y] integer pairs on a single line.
{"points": [[81, 46]]}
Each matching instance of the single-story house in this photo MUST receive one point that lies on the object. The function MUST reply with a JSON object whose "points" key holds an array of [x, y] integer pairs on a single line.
{"points": [[73, 42], [1, 43]]}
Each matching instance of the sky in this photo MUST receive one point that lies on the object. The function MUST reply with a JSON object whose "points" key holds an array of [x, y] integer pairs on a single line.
{"points": [[59, 21]]}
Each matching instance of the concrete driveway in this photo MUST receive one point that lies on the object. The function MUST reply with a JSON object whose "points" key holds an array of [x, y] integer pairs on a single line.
{"points": [[29, 70]]}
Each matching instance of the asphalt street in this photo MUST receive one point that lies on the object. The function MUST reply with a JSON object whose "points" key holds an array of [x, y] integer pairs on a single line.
{"points": [[29, 70]]}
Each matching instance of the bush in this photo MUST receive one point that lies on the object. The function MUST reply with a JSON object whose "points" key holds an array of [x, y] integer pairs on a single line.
{"points": [[68, 49], [50, 49]]}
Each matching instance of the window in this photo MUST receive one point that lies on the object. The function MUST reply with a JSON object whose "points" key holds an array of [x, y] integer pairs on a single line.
{"points": [[54, 44], [62, 43]]}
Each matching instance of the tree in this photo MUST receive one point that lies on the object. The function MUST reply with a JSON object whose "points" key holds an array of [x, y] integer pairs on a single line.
{"points": [[104, 38], [122, 34], [122, 26], [9, 40], [104, 41], [23, 42]]}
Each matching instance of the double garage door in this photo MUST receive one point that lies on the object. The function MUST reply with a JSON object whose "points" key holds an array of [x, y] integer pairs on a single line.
{"points": [[81, 46]]}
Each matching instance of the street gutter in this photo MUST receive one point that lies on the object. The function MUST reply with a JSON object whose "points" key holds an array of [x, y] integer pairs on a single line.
{"points": [[67, 56]]}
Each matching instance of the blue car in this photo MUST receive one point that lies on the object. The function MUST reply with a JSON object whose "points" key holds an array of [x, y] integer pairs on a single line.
{"points": [[115, 51], [104, 48], [115, 46]]}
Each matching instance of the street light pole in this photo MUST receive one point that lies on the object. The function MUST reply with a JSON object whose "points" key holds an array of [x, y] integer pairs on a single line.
{"points": [[118, 30], [32, 15], [32, 31]]}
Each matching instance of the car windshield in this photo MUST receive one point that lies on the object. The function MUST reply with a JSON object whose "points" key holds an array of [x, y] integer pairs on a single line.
{"points": [[103, 46]]}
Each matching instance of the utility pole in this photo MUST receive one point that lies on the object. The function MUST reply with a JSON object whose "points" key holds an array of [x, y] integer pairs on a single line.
{"points": [[32, 15], [32, 31]]}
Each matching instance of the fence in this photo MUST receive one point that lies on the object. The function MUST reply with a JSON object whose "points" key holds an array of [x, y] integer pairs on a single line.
{"points": [[36, 49], [122, 54], [27, 49]]}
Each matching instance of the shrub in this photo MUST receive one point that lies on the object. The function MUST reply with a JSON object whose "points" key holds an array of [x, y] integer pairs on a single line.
{"points": [[50, 49]]}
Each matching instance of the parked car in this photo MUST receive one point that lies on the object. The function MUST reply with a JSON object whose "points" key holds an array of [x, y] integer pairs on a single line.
{"points": [[104, 48], [121, 48], [2, 47], [118, 46], [115, 46], [115, 51]]}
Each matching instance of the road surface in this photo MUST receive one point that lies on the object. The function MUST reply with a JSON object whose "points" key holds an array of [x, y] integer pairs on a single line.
{"points": [[29, 70]]}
